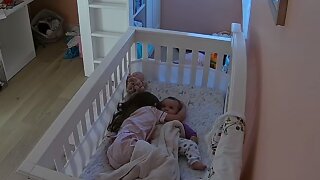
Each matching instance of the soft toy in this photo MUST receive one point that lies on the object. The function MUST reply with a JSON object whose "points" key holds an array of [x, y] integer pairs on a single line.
{"points": [[136, 83]]}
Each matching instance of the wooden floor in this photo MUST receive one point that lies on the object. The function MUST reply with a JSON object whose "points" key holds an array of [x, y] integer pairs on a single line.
{"points": [[31, 102]]}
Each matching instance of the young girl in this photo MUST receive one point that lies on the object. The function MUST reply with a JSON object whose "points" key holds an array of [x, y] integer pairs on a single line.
{"points": [[187, 146], [135, 121]]}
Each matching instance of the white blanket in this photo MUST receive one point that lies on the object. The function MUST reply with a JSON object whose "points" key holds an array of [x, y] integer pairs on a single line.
{"points": [[158, 160]]}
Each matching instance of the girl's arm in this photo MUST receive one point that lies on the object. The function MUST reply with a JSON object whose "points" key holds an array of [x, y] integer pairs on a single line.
{"points": [[180, 116]]}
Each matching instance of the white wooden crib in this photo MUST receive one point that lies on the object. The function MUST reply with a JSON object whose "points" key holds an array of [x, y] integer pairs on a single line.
{"points": [[66, 147]]}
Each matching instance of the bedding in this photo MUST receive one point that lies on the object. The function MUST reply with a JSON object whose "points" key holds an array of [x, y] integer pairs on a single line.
{"points": [[158, 160], [204, 105], [226, 141]]}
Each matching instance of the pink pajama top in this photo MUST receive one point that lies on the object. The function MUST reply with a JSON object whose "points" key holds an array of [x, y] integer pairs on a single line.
{"points": [[138, 126]]}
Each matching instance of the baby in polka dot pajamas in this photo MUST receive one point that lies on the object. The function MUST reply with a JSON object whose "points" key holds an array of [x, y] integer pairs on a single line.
{"points": [[187, 147]]}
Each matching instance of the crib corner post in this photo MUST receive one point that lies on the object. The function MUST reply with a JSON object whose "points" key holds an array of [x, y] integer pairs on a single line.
{"points": [[236, 27]]}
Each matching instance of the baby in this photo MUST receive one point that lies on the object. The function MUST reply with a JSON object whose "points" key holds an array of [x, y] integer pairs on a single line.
{"points": [[187, 146], [177, 105]]}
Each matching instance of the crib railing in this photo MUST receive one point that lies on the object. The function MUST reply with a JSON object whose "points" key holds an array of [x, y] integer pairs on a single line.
{"points": [[66, 147], [74, 136], [236, 101], [171, 49]]}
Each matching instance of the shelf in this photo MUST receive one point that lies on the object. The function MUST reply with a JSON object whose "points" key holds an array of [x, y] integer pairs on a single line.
{"points": [[139, 10], [4, 13], [107, 5], [98, 61], [104, 34]]}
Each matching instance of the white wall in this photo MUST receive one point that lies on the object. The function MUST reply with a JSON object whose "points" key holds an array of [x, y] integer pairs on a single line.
{"points": [[284, 80], [201, 16]]}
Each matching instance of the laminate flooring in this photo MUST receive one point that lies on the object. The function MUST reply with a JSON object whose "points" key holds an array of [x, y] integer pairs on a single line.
{"points": [[31, 102]]}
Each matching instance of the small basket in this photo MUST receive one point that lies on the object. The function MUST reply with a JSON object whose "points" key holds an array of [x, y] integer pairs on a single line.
{"points": [[44, 38]]}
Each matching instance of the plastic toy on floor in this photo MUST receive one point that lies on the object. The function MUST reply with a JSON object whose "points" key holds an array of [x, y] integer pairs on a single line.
{"points": [[73, 41], [71, 52]]}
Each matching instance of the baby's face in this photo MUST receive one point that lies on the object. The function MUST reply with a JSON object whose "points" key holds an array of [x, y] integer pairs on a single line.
{"points": [[170, 106]]}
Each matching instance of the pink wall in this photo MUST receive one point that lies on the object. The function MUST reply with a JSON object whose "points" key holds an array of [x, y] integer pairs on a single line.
{"points": [[65, 8], [284, 79], [202, 16]]}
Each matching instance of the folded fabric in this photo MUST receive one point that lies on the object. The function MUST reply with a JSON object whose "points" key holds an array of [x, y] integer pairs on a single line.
{"points": [[71, 52], [226, 143], [158, 160]]}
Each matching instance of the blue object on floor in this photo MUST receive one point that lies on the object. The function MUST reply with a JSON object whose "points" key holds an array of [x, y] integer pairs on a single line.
{"points": [[72, 52], [139, 50]]}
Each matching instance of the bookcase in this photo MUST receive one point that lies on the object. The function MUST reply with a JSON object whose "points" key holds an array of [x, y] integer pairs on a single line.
{"points": [[103, 22], [16, 42], [146, 13]]}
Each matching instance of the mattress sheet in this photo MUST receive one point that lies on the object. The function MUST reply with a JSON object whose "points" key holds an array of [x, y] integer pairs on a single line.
{"points": [[204, 106]]}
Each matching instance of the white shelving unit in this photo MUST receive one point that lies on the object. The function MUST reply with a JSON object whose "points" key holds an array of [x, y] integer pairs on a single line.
{"points": [[138, 12], [103, 22], [16, 42], [153, 9]]}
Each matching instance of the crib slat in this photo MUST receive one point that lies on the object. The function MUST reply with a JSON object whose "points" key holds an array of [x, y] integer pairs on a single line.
{"points": [[115, 77], [101, 99], [154, 72], [98, 103], [169, 54], [157, 53], [113, 82], [169, 63], [125, 62], [58, 159], [120, 70], [133, 52], [120, 73], [107, 92], [182, 57], [110, 86], [219, 70], [68, 149], [76, 137], [130, 54], [220, 61], [104, 96], [144, 51], [84, 126], [91, 115], [195, 56], [206, 67]]}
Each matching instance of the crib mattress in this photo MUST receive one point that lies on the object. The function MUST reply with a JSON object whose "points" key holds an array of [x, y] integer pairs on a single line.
{"points": [[204, 105]]}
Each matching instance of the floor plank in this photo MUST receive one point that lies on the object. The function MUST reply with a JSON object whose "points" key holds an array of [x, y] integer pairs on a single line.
{"points": [[31, 102]]}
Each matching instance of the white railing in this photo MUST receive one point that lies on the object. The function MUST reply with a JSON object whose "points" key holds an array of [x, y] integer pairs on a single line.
{"points": [[238, 82]]}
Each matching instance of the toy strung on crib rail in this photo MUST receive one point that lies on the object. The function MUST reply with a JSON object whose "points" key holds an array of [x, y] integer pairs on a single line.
{"points": [[135, 83]]}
